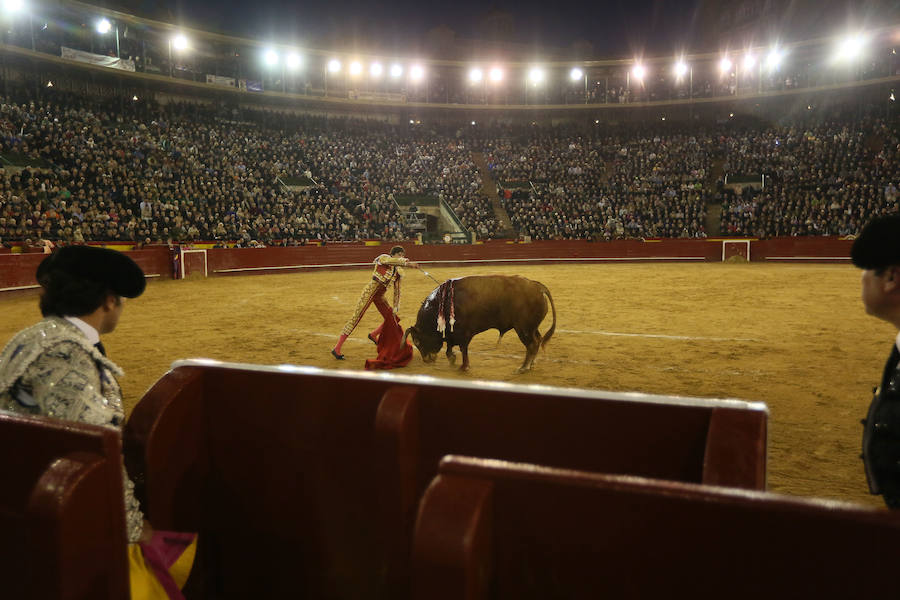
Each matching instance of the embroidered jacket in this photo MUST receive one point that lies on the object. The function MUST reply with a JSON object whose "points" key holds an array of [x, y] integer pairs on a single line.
{"points": [[388, 270], [52, 369]]}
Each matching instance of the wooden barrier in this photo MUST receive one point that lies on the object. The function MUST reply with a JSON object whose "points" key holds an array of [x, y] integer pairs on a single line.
{"points": [[314, 476], [17, 270], [62, 517], [491, 529]]}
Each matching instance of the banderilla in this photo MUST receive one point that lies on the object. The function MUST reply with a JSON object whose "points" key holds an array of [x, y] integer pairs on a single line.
{"points": [[427, 274]]}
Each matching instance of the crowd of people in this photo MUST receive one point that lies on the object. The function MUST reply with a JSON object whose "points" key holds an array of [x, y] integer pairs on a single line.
{"points": [[136, 171], [108, 170], [605, 187], [828, 179]]}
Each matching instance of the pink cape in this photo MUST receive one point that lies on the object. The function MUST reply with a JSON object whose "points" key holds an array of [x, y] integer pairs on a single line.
{"points": [[392, 352]]}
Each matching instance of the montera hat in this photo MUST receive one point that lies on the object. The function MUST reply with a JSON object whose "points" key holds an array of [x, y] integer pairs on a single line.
{"points": [[878, 244], [117, 272]]}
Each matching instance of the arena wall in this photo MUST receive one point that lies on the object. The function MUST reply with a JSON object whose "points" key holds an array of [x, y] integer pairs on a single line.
{"points": [[17, 270]]}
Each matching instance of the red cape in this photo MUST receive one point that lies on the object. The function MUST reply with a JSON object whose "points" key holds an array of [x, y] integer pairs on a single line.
{"points": [[392, 353]]}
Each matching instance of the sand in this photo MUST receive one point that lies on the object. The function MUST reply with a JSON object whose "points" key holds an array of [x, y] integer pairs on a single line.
{"points": [[793, 336]]}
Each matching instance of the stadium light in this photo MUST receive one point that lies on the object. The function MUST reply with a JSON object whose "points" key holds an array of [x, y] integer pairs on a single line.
{"points": [[639, 71], [576, 74], [725, 65], [774, 58], [681, 69], [103, 26], [375, 70], [355, 68], [334, 65], [179, 42], [536, 75], [293, 61], [749, 61], [475, 75], [416, 73], [270, 57], [496, 74], [13, 6], [850, 48], [396, 71]]}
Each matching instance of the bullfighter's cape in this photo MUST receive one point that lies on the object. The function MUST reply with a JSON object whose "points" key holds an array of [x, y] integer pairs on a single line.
{"points": [[392, 351]]}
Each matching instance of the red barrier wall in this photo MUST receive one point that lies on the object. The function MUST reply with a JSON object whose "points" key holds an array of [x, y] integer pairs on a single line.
{"points": [[17, 270]]}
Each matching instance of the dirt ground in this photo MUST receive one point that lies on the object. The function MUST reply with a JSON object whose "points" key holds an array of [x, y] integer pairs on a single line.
{"points": [[793, 336]]}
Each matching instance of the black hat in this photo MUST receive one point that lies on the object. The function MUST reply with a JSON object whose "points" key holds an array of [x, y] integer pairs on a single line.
{"points": [[878, 244], [117, 272]]}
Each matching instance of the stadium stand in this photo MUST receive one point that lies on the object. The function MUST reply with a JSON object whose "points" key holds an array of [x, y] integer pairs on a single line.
{"points": [[492, 529], [314, 476], [61, 510], [146, 173]]}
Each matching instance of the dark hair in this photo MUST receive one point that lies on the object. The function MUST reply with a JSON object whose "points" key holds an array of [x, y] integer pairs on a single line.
{"points": [[397, 250], [67, 296]]}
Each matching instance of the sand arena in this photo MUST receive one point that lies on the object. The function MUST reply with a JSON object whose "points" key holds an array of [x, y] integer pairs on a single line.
{"points": [[793, 336]]}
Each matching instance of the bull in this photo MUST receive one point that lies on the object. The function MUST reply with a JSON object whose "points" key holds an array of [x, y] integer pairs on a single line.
{"points": [[461, 308]]}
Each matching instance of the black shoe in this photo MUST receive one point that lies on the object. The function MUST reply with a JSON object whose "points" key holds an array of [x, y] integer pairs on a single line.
{"points": [[372, 337], [336, 355]]}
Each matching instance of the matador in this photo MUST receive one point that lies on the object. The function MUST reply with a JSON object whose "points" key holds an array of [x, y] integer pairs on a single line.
{"points": [[387, 271]]}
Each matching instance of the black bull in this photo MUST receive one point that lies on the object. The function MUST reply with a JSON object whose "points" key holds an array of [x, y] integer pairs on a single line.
{"points": [[482, 302]]}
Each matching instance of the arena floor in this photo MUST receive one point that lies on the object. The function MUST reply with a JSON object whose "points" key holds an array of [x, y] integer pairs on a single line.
{"points": [[793, 336]]}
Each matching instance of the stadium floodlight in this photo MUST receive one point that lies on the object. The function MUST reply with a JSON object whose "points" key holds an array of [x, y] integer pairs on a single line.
{"points": [[496, 74], [475, 76], [396, 71], [375, 70], [292, 60], [355, 67], [536, 75], [850, 48], [13, 6], [680, 69], [179, 42], [725, 65], [473, 122], [103, 26], [639, 71], [749, 61], [334, 65], [576, 74], [774, 58], [416, 73], [270, 57]]}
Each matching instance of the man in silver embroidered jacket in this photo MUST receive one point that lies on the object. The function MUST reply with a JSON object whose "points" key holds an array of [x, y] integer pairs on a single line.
{"points": [[58, 367]]}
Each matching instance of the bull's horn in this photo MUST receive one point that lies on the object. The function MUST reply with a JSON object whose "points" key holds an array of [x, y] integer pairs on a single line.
{"points": [[406, 334]]}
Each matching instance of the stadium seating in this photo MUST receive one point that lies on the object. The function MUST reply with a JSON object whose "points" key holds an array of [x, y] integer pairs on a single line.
{"points": [[62, 519], [313, 476], [492, 529]]}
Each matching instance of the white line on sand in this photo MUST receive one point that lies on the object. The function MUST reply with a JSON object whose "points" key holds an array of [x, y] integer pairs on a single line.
{"points": [[660, 336], [606, 333]]}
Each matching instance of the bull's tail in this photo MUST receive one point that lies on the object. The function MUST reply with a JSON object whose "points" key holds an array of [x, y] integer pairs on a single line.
{"points": [[550, 331]]}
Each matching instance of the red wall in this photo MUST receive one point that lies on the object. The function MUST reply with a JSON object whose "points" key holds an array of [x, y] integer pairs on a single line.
{"points": [[17, 270]]}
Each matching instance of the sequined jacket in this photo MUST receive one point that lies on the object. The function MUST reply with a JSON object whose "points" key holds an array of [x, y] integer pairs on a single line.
{"points": [[52, 369], [387, 271]]}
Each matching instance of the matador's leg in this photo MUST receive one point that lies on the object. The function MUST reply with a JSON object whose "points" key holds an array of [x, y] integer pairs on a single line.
{"points": [[386, 312], [371, 290]]}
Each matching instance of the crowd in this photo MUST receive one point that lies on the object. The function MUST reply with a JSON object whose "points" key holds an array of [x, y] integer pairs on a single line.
{"points": [[606, 187], [115, 170], [146, 173], [828, 179]]}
